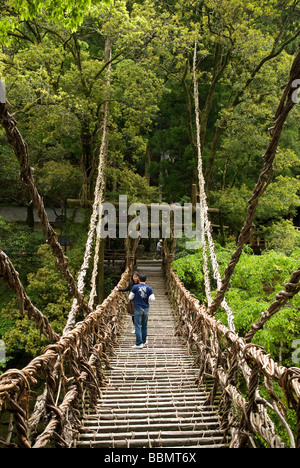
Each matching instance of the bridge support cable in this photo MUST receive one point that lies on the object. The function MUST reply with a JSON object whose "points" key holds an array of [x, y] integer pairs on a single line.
{"points": [[20, 148], [286, 104], [206, 225], [98, 199]]}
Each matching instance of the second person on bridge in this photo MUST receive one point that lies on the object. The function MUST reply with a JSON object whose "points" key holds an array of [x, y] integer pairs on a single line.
{"points": [[142, 294], [135, 279]]}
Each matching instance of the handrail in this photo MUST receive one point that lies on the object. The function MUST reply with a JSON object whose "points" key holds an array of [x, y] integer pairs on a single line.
{"points": [[230, 360], [73, 368]]}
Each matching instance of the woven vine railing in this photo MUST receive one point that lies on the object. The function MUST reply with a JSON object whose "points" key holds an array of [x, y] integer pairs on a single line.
{"points": [[239, 371], [68, 376]]}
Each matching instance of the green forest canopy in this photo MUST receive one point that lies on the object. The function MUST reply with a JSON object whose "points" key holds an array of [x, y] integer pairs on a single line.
{"points": [[52, 60], [55, 73]]}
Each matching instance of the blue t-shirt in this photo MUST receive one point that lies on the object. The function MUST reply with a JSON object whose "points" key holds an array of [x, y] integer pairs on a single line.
{"points": [[142, 293]]}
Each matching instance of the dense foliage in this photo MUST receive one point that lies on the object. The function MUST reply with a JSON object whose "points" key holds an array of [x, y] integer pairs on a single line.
{"points": [[54, 64], [255, 283]]}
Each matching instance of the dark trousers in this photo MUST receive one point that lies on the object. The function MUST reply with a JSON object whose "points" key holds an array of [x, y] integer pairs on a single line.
{"points": [[141, 324]]}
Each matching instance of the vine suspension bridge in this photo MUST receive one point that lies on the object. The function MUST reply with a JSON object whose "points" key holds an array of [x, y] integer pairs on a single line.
{"points": [[196, 384]]}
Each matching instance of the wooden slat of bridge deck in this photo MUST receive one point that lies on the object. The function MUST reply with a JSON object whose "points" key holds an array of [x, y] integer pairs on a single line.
{"points": [[151, 399]]}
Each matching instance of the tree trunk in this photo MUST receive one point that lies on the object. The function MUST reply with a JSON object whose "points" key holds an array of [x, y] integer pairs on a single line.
{"points": [[87, 162], [147, 164]]}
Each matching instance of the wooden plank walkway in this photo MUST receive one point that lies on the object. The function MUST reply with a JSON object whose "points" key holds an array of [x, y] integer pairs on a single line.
{"points": [[151, 399]]}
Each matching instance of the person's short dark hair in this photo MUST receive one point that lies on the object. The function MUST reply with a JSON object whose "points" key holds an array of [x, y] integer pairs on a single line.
{"points": [[143, 277]]}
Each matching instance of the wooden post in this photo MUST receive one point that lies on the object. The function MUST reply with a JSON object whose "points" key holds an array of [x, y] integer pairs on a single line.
{"points": [[194, 196], [194, 201], [30, 216], [101, 272]]}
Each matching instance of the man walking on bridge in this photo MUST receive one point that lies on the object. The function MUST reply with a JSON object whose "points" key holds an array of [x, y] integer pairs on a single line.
{"points": [[142, 294]]}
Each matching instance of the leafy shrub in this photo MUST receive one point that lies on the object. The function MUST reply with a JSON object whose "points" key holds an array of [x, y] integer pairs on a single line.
{"points": [[253, 287]]}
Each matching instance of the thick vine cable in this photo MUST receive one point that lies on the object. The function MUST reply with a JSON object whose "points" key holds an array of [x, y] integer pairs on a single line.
{"points": [[20, 148]]}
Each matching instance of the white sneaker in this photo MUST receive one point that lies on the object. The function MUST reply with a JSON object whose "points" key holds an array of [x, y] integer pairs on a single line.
{"points": [[146, 342], [138, 346]]}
